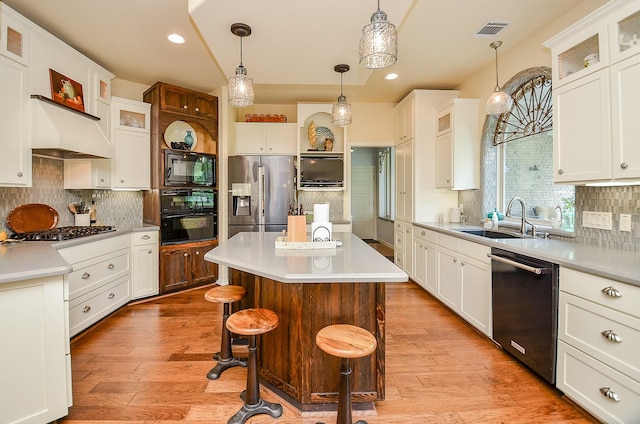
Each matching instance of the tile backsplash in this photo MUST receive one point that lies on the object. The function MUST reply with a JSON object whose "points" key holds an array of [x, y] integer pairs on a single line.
{"points": [[118, 208]]}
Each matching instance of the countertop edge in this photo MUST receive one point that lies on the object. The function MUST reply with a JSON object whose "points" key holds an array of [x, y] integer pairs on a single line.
{"points": [[614, 264]]}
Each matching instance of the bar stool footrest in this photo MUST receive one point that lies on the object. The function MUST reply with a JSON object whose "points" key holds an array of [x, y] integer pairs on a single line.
{"points": [[262, 407]]}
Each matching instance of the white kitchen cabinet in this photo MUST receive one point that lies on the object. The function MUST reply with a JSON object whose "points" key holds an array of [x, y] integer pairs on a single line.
{"points": [[14, 35], [425, 260], [599, 340], [458, 145], [15, 161], [417, 197], [403, 246], [253, 138], [464, 280], [404, 181], [144, 279], [596, 96], [36, 374], [100, 282], [404, 120], [87, 174], [131, 136]]}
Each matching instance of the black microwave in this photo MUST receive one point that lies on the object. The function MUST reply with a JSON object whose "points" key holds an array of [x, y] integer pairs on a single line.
{"points": [[189, 169]]}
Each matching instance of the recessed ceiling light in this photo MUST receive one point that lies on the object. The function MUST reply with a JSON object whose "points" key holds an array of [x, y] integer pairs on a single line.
{"points": [[391, 76], [176, 38]]}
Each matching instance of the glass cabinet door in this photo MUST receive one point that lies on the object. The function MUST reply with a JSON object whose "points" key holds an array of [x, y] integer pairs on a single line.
{"points": [[624, 32]]}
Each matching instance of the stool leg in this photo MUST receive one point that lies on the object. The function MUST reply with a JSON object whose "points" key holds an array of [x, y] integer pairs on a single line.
{"points": [[344, 395], [253, 404], [225, 357]]}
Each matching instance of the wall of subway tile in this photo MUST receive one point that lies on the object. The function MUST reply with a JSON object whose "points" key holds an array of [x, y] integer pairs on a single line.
{"points": [[121, 209]]}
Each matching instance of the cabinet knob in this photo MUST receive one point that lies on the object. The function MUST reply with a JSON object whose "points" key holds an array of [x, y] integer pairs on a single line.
{"points": [[111, 266], [184, 107], [624, 165], [560, 171], [111, 295], [197, 252], [610, 394], [85, 275], [86, 309], [611, 291], [455, 260], [149, 251], [197, 109], [186, 254], [20, 174], [101, 180], [121, 181], [611, 336]]}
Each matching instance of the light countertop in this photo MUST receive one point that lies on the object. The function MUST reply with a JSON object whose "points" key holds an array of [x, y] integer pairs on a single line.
{"points": [[354, 261], [616, 264], [26, 260]]}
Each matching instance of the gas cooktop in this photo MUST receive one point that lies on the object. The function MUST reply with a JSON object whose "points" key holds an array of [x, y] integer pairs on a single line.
{"points": [[63, 233]]}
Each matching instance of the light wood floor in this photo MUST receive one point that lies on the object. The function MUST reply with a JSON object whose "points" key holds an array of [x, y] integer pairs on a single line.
{"points": [[147, 363]]}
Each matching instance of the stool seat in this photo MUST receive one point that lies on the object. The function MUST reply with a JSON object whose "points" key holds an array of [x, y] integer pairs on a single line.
{"points": [[252, 322], [346, 341], [225, 294]]}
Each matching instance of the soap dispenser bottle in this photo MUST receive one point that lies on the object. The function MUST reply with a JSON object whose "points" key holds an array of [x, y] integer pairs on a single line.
{"points": [[494, 219]]}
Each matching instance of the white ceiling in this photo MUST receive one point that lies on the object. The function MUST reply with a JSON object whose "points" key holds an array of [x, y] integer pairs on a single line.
{"points": [[294, 44]]}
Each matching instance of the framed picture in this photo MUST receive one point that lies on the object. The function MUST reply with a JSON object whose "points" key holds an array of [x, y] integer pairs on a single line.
{"points": [[66, 91]]}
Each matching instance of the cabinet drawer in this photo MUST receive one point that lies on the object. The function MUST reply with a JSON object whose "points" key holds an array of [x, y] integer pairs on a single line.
{"points": [[91, 274], [450, 242], [95, 249], [148, 237], [399, 237], [398, 259], [476, 251], [88, 309], [424, 234], [582, 378], [594, 288], [582, 323]]}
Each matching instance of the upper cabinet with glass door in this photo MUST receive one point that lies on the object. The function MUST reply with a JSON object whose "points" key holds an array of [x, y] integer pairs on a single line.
{"points": [[14, 36]]}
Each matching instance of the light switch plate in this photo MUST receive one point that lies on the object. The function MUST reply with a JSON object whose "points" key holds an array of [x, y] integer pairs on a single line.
{"points": [[599, 220], [625, 222]]}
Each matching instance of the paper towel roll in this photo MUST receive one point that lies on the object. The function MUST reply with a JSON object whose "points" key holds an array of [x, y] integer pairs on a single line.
{"points": [[321, 212]]}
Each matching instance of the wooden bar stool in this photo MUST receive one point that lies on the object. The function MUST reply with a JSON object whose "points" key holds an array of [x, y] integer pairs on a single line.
{"points": [[251, 323], [225, 295], [346, 341]]}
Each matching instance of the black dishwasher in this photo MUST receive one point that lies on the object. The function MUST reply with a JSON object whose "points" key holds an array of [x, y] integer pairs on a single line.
{"points": [[525, 309]]}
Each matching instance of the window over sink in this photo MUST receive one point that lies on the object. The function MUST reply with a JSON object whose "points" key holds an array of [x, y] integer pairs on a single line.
{"points": [[523, 140]]}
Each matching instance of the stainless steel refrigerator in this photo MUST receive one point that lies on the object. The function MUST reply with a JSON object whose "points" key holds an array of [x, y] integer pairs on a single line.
{"points": [[261, 190]]}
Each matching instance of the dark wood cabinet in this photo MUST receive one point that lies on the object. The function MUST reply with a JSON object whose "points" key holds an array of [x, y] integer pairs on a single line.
{"points": [[180, 100], [183, 266]]}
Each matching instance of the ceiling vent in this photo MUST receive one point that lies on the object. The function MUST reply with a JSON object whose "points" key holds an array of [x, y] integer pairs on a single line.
{"points": [[489, 29]]}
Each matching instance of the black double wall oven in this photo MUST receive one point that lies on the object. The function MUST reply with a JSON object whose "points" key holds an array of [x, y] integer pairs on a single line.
{"points": [[189, 203]]}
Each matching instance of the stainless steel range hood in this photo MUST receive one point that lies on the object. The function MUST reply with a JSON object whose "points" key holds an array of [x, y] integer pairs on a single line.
{"points": [[63, 133]]}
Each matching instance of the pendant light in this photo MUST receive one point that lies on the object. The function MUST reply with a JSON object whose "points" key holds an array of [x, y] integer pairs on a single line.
{"points": [[240, 85], [378, 42], [341, 111], [499, 102]]}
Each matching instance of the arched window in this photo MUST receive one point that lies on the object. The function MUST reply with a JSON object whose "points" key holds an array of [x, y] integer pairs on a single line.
{"points": [[522, 140]]}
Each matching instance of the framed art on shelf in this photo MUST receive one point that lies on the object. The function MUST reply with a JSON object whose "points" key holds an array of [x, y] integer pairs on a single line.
{"points": [[66, 91]]}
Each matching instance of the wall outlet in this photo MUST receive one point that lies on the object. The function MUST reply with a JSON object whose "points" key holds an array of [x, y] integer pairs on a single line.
{"points": [[599, 220], [625, 222]]}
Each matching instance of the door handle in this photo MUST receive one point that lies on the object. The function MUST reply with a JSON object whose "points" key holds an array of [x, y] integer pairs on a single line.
{"points": [[534, 270]]}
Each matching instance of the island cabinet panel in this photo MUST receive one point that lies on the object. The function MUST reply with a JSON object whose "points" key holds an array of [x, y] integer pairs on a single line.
{"points": [[290, 361]]}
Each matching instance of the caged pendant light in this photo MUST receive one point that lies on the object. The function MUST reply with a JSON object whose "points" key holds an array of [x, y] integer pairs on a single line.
{"points": [[341, 111], [378, 42], [240, 85], [499, 102]]}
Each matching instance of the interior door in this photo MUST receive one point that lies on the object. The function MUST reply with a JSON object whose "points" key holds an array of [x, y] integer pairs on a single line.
{"points": [[363, 201]]}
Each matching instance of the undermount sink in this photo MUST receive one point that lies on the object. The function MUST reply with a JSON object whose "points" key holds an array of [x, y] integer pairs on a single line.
{"points": [[491, 234]]}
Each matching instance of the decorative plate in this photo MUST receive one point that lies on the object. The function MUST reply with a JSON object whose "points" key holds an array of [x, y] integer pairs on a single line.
{"points": [[32, 217], [175, 134], [323, 134]]}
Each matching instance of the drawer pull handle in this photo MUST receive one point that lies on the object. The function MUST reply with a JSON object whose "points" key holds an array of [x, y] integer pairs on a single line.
{"points": [[86, 275], [149, 251], [111, 266], [608, 393], [86, 309], [145, 237], [111, 296], [610, 335], [611, 291]]}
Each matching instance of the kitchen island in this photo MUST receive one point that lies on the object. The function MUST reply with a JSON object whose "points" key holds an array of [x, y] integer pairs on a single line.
{"points": [[310, 289]]}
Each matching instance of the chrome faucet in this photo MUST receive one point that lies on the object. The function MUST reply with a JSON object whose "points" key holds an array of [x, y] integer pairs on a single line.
{"points": [[524, 222]]}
